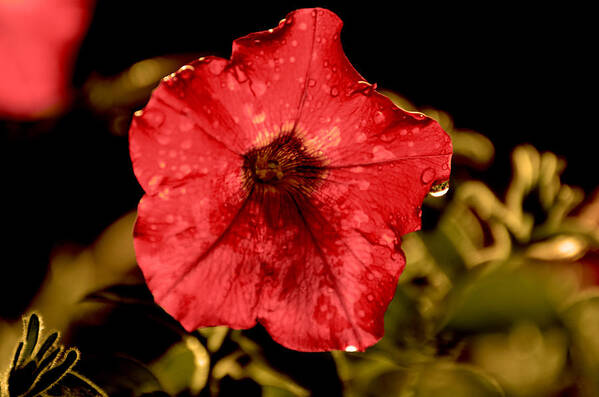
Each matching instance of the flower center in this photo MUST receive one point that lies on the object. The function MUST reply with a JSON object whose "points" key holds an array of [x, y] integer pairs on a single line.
{"points": [[283, 165], [267, 170]]}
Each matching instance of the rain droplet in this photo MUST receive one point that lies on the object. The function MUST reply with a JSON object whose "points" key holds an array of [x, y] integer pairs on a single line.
{"points": [[370, 297], [186, 72], [154, 117], [388, 137], [351, 349], [379, 117], [240, 75], [216, 68], [362, 87], [439, 189], [311, 82], [334, 91], [427, 175], [258, 88]]}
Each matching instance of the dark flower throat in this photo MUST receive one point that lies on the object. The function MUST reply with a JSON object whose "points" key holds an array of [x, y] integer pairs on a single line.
{"points": [[284, 165]]}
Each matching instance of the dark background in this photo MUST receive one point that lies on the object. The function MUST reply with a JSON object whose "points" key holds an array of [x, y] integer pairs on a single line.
{"points": [[511, 73]]}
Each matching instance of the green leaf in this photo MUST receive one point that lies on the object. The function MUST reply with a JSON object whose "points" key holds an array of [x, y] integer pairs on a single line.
{"points": [[120, 375], [184, 366], [137, 294], [76, 385], [581, 317], [499, 299], [53, 375], [49, 342], [33, 329], [455, 380]]}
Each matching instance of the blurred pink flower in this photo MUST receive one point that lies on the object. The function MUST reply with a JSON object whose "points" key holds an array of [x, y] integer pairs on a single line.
{"points": [[38, 43]]}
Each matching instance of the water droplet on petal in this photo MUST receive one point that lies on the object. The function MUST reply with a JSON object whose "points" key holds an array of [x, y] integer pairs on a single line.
{"points": [[351, 349], [370, 297], [154, 117], [362, 87], [311, 82], [258, 88], [240, 75], [379, 117], [427, 175], [186, 72], [439, 189], [216, 68], [334, 91], [387, 138]]}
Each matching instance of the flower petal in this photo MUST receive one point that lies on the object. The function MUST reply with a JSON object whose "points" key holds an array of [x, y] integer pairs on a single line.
{"points": [[193, 253], [336, 277], [327, 289], [194, 202]]}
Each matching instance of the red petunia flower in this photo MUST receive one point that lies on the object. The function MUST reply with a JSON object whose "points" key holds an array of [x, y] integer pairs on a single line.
{"points": [[38, 42], [278, 184]]}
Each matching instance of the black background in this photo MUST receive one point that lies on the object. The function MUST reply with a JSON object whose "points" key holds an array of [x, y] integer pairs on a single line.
{"points": [[511, 73]]}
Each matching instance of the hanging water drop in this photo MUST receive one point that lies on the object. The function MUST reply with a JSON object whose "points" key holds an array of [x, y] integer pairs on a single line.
{"points": [[186, 72], [439, 189]]}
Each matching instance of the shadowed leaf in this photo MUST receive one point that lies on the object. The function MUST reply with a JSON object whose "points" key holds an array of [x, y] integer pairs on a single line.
{"points": [[75, 385], [122, 294], [49, 342], [33, 328], [50, 377]]}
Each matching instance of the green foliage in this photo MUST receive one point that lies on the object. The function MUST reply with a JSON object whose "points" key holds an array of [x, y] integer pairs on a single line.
{"points": [[46, 370]]}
